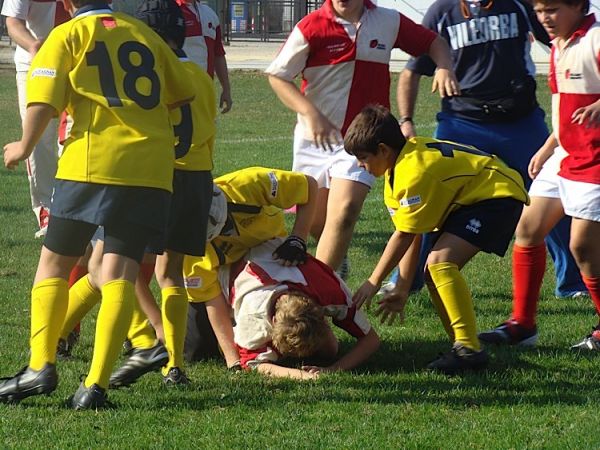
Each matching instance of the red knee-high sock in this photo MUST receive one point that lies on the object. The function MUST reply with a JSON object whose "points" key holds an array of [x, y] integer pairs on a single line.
{"points": [[528, 267], [593, 285], [76, 273], [147, 271]]}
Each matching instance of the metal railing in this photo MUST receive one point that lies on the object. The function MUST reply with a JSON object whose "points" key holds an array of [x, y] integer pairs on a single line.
{"points": [[264, 20]]}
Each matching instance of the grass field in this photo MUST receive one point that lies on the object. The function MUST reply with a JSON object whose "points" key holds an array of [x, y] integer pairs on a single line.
{"points": [[542, 398]]}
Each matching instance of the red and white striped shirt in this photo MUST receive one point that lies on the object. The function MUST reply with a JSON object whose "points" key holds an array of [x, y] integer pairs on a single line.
{"points": [[202, 34], [345, 66], [574, 80], [263, 280]]}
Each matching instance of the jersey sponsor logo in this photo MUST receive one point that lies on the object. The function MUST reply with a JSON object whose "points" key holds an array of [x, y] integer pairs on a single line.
{"points": [[474, 226], [274, 184], [375, 44], [337, 47], [573, 76], [410, 201], [195, 282], [43, 72], [480, 30]]}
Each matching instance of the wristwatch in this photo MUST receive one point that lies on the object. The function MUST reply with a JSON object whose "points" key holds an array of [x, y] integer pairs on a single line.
{"points": [[405, 119]]}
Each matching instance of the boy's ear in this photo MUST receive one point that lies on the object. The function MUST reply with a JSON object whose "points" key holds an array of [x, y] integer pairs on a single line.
{"points": [[382, 148]]}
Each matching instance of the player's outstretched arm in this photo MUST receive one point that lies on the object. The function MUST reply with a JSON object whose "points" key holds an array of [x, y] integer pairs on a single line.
{"points": [[395, 249], [273, 370], [444, 80], [36, 120], [325, 134], [406, 96], [293, 251], [364, 348], [225, 101]]}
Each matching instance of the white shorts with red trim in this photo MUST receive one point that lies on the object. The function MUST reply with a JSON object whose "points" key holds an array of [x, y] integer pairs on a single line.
{"points": [[323, 165]]}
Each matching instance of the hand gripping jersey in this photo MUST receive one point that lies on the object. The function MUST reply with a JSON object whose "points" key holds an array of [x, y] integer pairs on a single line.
{"points": [[262, 281], [490, 51], [574, 80], [432, 178], [256, 198], [203, 42], [115, 78], [344, 67], [40, 17], [194, 123]]}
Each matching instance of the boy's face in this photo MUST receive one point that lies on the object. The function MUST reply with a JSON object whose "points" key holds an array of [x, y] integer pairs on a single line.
{"points": [[375, 163], [559, 20]]}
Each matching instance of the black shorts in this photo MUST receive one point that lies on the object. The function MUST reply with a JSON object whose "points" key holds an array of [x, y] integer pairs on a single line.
{"points": [[103, 204], [188, 216], [79, 208], [488, 225], [70, 237]]}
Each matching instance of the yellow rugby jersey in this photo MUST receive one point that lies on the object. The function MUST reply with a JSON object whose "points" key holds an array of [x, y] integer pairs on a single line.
{"points": [[432, 178], [194, 123], [256, 198], [115, 77]]}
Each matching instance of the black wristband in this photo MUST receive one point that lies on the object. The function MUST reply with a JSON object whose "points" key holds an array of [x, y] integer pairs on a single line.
{"points": [[405, 119]]}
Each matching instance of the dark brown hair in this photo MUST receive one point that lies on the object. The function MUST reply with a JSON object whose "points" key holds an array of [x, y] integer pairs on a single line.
{"points": [[374, 125]]}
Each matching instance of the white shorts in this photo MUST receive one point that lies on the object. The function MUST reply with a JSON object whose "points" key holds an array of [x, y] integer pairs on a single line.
{"points": [[546, 182], [580, 200], [324, 165]]}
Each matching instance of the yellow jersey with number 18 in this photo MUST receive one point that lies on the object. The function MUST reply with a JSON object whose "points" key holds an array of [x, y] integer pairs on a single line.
{"points": [[433, 178], [116, 78]]}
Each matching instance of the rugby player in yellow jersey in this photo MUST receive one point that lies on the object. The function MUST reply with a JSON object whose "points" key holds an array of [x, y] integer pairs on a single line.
{"points": [[187, 230], [472, 198], [117, 80], [255, 199]]}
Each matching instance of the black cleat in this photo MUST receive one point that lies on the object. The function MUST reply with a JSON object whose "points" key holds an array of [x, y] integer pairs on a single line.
{"points": [[459, 359], [65, 347], [28, 382], [176, 377], [510, 333], [139, 362], [93, 397]]}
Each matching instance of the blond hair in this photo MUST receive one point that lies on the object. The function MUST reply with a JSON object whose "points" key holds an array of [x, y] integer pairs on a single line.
{"points": [[299, 325]]}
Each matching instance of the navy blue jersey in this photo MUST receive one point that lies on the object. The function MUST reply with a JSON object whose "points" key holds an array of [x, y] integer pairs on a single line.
{"points": [[490, 46]]}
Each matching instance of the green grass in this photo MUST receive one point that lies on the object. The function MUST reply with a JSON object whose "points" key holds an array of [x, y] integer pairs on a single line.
{"points": [[543, 398]]}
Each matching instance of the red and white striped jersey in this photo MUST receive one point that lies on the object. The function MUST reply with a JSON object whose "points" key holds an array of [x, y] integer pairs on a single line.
{"points": [[574, 80], [261, 282], [202, 34], [345, 66], [41, 16]]}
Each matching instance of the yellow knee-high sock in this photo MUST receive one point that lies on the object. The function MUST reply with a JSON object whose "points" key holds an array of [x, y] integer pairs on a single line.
{"points": [[174, 318], [114, 318], [440, 309], [141, 334], [48, 307], [456, 298], [82, 298]]}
